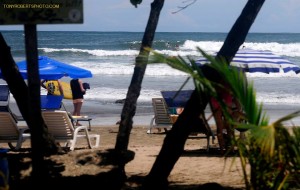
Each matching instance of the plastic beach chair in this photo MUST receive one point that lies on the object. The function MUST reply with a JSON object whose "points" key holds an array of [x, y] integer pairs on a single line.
{"points": [[10, 133], [161, 118], [4, 100], [52, 102], [61, 127], [179, 98], [4, 95]]}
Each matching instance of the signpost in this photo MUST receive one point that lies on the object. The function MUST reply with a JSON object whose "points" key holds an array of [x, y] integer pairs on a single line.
{"points": [[30, 13]]}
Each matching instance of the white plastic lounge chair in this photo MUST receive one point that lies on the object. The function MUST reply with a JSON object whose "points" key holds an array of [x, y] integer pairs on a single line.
{"points": [[4, 100], [10, 133], [51, 102], [161, 118], [61, 127], [4, 95]]}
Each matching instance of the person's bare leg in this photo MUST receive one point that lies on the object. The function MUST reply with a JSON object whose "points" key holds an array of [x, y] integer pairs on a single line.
{"points": [[77, 110], [220, 126], [74, 109]]}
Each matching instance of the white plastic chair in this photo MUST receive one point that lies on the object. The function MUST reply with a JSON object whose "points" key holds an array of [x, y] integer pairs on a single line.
{"points": [[61, 127], [161, 118], [10, 133]]}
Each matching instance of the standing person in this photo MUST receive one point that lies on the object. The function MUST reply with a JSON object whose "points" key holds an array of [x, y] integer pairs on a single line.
{"points": [[77, 92]]}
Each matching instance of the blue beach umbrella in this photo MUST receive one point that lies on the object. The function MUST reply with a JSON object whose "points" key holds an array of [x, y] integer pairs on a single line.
{"points": [[260, 61], [51, 69]]}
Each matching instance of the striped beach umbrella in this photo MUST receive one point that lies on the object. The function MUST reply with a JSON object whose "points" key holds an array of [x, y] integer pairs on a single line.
{"points": [[260, 61]]}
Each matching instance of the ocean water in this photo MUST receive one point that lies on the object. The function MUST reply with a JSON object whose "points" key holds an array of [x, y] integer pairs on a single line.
{"points": [[110, 56]]}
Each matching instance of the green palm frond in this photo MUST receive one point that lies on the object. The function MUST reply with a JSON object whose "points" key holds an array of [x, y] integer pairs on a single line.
{"points": [[243, 91], [272, 151], [190, 68], [286, 118], [264, 138]]}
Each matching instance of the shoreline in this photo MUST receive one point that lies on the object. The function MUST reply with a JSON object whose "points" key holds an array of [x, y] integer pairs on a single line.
{"points": [[143, 118], [108, 115]]}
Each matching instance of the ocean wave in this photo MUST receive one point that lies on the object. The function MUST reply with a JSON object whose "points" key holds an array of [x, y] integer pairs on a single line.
{"points": [[107, 94], [278, 98], [98, 53], [121, 68], [289, 49], [110, 95], [189, 48], [273, 75]]}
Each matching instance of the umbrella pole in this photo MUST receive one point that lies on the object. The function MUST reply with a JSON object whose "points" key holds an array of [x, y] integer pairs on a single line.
{"points": [[181, 87]]}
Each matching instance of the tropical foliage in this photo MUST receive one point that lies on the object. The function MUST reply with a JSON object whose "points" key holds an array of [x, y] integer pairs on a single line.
{"points": [[272, 151]]}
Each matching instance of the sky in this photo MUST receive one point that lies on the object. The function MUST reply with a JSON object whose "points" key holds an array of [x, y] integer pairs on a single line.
{"points": [[202, 16]]}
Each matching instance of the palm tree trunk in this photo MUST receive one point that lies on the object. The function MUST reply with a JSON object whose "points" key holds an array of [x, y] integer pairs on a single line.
{"points": [[174, 142], [44, 143], [13, 78], [238, 33], [134, 89]]}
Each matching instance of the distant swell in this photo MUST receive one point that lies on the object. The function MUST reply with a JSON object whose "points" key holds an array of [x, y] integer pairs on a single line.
{"points": [[98, 53], [188, 48]]}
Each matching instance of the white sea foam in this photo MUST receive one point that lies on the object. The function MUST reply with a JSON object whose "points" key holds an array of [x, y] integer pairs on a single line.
{"points": [[278, 98], [97, 52], [110, 95], [273, 75], [121, 63], [189, 48]]}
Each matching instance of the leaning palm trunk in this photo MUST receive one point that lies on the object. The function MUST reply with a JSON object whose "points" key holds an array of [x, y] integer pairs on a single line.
{"points": [[271, 150], [172, 147], [45, 144], [134, 89]]}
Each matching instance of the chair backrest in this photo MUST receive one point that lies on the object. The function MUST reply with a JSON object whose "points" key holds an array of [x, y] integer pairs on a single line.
{"points": [[8, 127], [51, 102], [59, 124], [4, 95], [161, 112], [176, 98], [4, 101]]}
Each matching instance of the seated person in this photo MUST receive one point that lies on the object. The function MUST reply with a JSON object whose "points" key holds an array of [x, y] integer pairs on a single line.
{"points": [[179, 110], [224, 130]]}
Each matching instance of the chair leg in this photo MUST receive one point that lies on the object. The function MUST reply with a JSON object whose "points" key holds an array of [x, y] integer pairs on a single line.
{"points": [[88, 138], [207, 149], [151, 125], [73, 143], [76, 135], [96, 138], [19, 143]]}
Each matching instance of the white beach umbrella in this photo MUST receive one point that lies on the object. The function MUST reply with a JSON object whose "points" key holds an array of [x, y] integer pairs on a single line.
{"points": [[260, 61]]}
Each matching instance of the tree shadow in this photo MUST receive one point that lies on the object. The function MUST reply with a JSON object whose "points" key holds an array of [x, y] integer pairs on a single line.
{"points": [[212, 152], [112, 179]]}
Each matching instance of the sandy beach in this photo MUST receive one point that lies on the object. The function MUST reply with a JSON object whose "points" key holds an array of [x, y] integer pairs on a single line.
{"points": [[194, 168]]}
